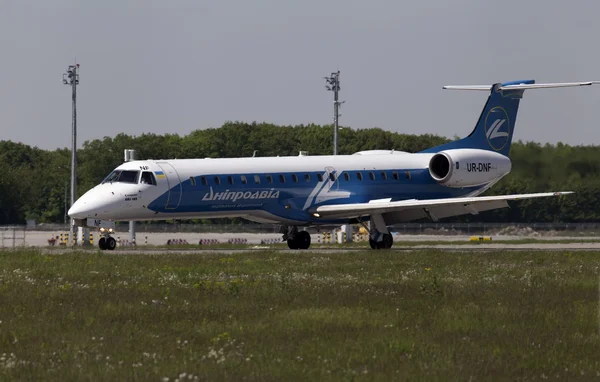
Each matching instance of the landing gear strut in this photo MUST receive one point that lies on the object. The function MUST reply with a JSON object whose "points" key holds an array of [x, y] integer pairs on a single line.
{"points": [[296, 239]]}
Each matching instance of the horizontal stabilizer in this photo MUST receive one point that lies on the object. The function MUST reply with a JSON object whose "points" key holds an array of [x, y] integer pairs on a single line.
{"points": [[520, 86]]}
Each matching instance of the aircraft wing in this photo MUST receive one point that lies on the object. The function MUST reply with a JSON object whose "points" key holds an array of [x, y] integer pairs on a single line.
{"points": [[435, 209]]}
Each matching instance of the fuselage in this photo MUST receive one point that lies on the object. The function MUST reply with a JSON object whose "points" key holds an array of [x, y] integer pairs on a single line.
{"points": [[264, 189]]}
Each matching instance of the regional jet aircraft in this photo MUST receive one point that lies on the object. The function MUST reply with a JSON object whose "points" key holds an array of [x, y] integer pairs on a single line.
{"points": [[383, 187]]}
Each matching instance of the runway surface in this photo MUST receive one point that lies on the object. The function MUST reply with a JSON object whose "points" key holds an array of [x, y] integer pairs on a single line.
{"points": [[324, 249], [40, 238]]}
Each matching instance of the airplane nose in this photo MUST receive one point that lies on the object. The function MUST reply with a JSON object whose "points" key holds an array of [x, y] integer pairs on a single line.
{"points": [[79, 209], [86, 206]]}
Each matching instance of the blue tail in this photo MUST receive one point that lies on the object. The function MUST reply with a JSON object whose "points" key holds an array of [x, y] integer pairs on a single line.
{"points": [[496, 124]]}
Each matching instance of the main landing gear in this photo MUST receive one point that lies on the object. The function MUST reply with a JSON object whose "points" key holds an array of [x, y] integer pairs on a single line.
{"points": [[107, 241], [295, 239], [386, 241], [379, 236]]}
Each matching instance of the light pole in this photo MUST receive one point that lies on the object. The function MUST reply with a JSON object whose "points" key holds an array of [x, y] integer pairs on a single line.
{"points": [[333, 84], [71, 77]]}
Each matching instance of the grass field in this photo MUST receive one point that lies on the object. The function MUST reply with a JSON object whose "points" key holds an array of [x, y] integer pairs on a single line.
{"points": [[367, 315]]}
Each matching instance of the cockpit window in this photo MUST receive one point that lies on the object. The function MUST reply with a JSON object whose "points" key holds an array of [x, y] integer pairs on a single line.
{"points": [[122, 176], [148, 178]]}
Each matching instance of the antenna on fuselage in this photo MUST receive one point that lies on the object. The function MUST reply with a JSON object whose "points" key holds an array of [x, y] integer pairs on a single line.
{"points": [[254, 153]]}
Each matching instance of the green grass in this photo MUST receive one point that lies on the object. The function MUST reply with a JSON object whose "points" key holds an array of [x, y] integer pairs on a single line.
{"points": [[372, 315]]}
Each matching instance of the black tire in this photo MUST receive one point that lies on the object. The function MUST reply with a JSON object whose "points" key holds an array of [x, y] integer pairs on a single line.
{"points": [[372, 243], [111, 243], [102, 243], [292, 244], [303, 240], [386, 242]]}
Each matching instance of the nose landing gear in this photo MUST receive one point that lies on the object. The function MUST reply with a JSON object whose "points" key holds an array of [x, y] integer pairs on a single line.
{"points": [[107, 242]]}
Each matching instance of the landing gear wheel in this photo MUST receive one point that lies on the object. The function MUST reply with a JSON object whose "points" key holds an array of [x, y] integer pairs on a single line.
{"points": [[372, 243], [111, 243], [293, 243], [303, 239], [102, 243], [386, 242]]}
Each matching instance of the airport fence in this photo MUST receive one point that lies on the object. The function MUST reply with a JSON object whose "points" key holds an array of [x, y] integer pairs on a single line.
{"points": [[12, 236]]}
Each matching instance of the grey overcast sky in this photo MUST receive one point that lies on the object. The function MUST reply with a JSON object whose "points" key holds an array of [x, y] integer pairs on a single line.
{"points": [[175, 66]]}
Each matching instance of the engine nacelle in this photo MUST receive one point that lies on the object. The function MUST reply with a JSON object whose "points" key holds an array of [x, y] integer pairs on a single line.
{"points": [[467, 167]]}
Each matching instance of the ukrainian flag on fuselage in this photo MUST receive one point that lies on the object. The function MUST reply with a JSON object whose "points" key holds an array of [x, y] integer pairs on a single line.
{"points": [[160, 174]]}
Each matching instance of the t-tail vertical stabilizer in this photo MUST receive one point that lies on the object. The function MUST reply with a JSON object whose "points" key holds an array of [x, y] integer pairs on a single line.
{"points": [[496, 125]]}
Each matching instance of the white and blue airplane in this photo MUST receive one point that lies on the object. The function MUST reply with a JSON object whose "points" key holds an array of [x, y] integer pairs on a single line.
{"points": [[300, 193]]}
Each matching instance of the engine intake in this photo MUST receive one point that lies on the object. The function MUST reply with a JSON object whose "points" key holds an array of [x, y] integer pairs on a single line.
{"points": [[440, 167], [468, 167]]}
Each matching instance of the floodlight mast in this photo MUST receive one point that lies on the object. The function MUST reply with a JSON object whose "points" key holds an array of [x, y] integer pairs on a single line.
{"points": [[333, 84], [71, 78]]}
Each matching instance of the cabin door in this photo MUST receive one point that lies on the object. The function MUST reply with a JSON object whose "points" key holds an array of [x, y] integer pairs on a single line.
{"points": [[174, 184]]}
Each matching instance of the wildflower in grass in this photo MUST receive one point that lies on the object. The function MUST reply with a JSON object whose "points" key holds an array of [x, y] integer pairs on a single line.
{"points": [[427, 269]]}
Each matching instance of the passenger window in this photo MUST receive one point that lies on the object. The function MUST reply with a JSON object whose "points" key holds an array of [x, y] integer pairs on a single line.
{"points": [[383, 175], [371, 175], [320, 177], [217, 180], [295, 178], [204, 181], [230, 179], [395, 175], [282, 178], [407, 175], [269, 179], [346, 176], [257, 179], [332, 176], [307, 177], [244, 180], [192, 180], [148, 178], [359, 175]]}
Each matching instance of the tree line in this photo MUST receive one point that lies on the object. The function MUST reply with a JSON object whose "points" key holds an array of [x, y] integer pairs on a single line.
{"points": [[33, 181]]}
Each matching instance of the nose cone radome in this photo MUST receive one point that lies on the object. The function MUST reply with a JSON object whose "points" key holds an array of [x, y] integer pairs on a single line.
{"points": [[82, 208], [88, 206]]}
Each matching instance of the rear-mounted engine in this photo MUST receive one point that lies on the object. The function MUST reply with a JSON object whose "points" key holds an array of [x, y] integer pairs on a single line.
{"points": [[468, 167]]}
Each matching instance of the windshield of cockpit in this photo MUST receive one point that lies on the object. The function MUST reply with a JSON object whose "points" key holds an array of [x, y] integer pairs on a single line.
{"points": [[122, 176]]}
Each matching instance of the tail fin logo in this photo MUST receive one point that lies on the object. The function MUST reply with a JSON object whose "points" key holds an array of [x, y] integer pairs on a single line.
{"points": [[497, 128]]}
